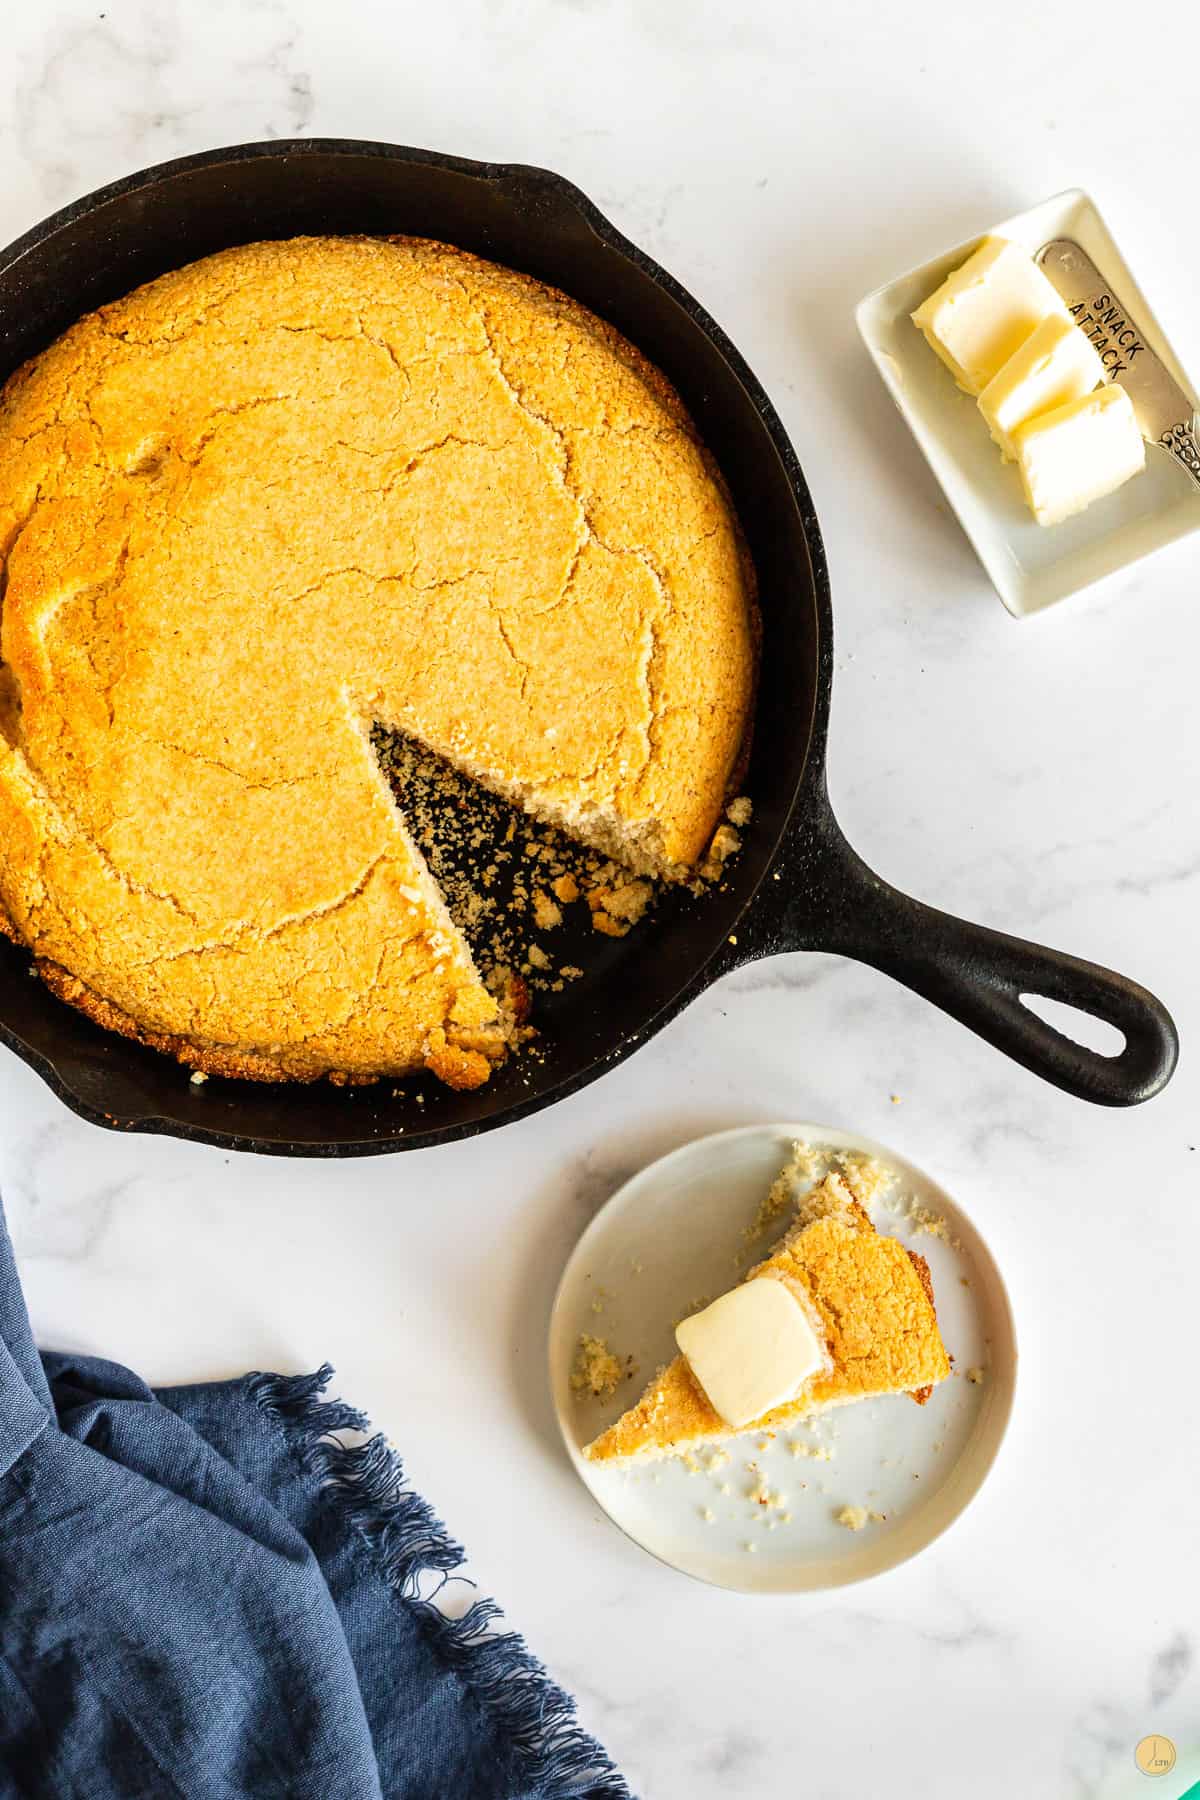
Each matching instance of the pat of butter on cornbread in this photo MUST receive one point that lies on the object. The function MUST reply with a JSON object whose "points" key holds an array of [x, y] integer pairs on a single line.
{"points": [[752, 1349]]}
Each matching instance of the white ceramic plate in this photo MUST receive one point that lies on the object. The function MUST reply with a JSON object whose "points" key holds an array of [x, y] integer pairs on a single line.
{"points": [[1031, 566], [672, 1235]]}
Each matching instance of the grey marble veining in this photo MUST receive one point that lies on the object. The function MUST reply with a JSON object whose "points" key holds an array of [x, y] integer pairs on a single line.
{"points": [[128, 84]]}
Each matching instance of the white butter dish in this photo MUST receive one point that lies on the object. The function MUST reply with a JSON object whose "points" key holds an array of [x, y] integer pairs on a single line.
{"points": [[1032, 566]]}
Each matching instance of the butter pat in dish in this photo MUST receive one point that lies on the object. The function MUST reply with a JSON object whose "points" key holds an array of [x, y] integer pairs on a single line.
{"points": [[1055, 364], [999, 313], [752, 1350], [1078, 453], [1032, 568], [983, 312]]}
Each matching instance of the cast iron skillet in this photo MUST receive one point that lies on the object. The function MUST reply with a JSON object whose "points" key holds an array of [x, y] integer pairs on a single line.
{"points": [[796, 885]]}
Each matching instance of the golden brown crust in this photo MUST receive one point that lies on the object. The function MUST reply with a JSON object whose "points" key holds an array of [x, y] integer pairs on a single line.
{"points": [[921, 1394], [461, 1069], [458, 1068], [204, 1057], [284, 492]]}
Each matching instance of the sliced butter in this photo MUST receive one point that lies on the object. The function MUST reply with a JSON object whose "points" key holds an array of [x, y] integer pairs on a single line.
{"points": [[1055, 364], [1078, 453], [751, 1350], [985, 310]]}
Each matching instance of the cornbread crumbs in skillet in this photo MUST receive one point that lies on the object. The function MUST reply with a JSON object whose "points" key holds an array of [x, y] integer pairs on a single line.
{"points": [[285, 495]]}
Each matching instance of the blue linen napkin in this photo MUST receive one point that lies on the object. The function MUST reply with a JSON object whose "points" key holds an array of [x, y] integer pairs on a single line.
{"points": [[205, 1596]]}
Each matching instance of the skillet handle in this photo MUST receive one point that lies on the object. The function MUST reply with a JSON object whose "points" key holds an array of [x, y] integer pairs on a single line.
{"points": [[830, 900]]}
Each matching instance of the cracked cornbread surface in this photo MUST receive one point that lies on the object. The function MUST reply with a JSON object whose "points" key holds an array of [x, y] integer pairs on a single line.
{"points": [[281, 495], [874, 1298]]}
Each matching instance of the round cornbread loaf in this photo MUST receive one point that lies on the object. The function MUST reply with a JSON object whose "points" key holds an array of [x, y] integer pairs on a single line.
{"points": [[283, 494]]}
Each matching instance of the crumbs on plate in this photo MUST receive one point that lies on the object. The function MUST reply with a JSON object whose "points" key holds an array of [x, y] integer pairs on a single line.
{"points": [[854, 1518], [818, 1452], [867, 1178], [598, 1371], [804, 1164]]}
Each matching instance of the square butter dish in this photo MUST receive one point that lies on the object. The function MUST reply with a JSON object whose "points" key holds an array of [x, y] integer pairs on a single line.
{"points": [[1030, 565]]}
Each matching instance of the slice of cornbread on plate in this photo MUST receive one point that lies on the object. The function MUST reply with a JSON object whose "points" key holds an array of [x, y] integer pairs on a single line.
{"points": [[874, 1300]]}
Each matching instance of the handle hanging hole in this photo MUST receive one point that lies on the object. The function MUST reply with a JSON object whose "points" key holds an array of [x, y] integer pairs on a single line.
{"points": [[1082, 1028]]}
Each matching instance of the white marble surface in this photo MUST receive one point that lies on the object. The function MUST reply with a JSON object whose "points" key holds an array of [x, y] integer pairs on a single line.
{"points": [[781, 158]]}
